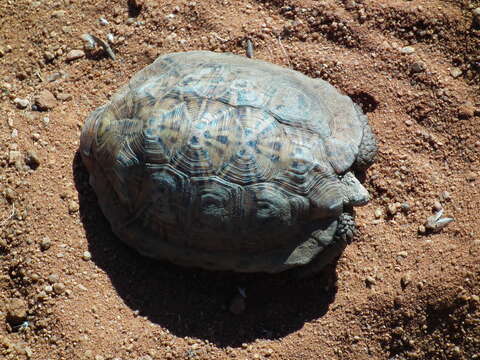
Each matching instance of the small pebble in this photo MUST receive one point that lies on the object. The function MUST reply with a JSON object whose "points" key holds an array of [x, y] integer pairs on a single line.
{"points": [[45, 243], [64, 97], [403, 254], [378, 213], [53, 278], [476, 17], [49, 56], [407, 50], [422, 229], [21, 103], [444, 196], [370, 281], [471, 176], [437, 206], [455, 72], [42, 295], [466, 110], [75, 54], [58, 288], [392, 209], [10, 195], [32, 160], [420, 285], [405, 280], [58, 13], [54, 76], [103, 21], [418, 67], [72, 206], [14, 157], [397, 302], [405, 207], [86, 256]]}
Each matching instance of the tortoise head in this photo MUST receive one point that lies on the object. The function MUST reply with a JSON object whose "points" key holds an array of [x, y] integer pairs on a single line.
{"points": [[354, 193]]}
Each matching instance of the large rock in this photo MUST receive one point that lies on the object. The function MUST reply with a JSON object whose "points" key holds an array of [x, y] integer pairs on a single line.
{"points": [[16, 311], [45, 100]]}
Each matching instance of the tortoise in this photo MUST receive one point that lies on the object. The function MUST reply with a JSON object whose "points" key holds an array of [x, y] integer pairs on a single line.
{"points": [[223, 162]]}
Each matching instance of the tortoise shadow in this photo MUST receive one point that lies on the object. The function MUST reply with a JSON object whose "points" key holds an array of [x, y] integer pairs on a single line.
{"points": [[192, 302]]}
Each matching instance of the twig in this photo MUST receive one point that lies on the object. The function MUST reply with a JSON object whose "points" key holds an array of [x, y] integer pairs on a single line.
{"points": [[218, 37], [270, 52], [284, 52], [92, 41], [105, 47], [10, 216]]}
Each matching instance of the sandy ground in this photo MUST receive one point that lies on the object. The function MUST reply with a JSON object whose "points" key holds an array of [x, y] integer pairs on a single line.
{"points": [[70, 290]]}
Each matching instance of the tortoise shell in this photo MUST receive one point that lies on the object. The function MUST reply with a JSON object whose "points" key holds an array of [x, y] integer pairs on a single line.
{"points": [[223, 162]]}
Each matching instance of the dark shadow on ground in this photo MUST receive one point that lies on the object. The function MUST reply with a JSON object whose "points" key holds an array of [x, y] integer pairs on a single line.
{"points": [[193, 302]]}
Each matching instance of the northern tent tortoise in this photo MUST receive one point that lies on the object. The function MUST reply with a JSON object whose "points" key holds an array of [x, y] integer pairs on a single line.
{"points": [[224, 162]]}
